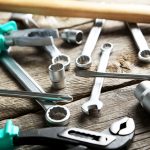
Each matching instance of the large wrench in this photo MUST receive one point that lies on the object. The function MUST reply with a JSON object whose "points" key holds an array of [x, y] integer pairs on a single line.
{"points": [[55, 114], [84, 61], [94, 103], [144, 51]]}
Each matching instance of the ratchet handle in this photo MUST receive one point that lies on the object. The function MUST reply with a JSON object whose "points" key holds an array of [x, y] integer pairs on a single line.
{"points": [[21, 75]]}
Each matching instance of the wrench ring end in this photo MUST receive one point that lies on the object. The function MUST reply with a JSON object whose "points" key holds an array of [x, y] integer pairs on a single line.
{"points": [[144, 55], [58, 115], [63, 59], [106, 46], [84, 62]]}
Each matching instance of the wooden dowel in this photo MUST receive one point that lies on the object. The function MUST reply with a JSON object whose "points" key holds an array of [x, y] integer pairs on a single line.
{"points": [[68, 8]]}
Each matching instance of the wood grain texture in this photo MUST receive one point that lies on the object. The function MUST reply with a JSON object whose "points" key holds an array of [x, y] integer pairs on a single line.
{"points": [[123, 103], [117, 93]]}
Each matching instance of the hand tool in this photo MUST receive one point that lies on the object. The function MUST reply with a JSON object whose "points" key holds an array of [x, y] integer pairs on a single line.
{"points": [[51, 49], [83, 9], [142, 93], [94, 103], [10, 36], [26, 19], [57, 56], [57, 75], [89, 74], [44, 96], [69, 138], [55, 114], [84, 61], [72, 36], [144, 51]]}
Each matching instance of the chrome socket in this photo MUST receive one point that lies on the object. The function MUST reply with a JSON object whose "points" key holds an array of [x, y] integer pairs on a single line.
{"points": [[72, 36], [57, 75]]}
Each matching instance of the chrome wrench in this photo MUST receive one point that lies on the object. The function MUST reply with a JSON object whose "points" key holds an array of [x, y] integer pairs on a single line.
{"points": [[94, 103], [52, 50], [84, 61], [144, 51], [57, 56], [55, 114]]}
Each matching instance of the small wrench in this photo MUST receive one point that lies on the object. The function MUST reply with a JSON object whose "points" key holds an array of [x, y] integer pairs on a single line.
{"points": [[84, 61], [144, 51], [55, 114], [94, 102]]}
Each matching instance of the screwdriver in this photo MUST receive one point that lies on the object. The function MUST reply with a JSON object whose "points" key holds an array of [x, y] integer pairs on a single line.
{"points": [[28, 94], [87, 74]]}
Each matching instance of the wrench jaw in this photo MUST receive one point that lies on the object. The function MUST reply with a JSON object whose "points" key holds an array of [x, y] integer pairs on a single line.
{"points": [[144, 55], [83, 62], [92, 108], [57, 115], [63, 59]]}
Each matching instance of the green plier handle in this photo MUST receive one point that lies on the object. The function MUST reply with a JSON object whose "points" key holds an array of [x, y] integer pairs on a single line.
{"points": [[5, 29]]}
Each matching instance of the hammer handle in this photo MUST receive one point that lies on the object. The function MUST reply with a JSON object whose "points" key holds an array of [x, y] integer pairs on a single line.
{"points": [[82, 9]]}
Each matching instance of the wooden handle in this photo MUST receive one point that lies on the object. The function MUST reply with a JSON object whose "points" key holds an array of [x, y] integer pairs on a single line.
{"points": [[82, 9]]}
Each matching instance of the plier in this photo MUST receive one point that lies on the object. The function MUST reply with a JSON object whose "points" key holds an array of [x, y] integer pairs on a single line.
{"points": [[10, 36], [117, 136]]}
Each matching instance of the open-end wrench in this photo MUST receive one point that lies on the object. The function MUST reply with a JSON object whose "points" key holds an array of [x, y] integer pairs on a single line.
{"points": [[55, 114], [144, 51], [84, 61], [94, 103]]}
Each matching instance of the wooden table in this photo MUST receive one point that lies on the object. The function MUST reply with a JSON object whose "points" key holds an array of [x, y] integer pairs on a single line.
{"points": [[117, 94]]}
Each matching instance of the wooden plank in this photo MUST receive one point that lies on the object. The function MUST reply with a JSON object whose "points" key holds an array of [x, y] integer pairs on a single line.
{"points": [[121, 100], [36, 62]]}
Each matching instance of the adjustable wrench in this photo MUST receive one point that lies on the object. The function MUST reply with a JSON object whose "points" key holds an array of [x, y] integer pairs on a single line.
{"points": [[94, 103], [84, 61], [144, 51], [55, 114]]}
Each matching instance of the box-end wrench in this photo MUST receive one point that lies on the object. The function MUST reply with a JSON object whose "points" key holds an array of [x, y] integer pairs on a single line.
{"points": [[55, 114], [94, 103], [52, 50], [84, 61], [144, 51], [57, 56]]}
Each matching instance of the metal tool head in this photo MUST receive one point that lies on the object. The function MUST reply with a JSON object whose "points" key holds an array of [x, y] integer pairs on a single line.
{"points": [[83, 61], [72, 36], [93, 107], [124, 126], [63, 59], [58, 115], [144, 55], [142, 93], [31, 37], [26, 19], [57, 75]]}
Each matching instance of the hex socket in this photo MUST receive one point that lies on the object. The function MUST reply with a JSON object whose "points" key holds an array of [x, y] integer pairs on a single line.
{"points": [[57, 75], [72, 36]]}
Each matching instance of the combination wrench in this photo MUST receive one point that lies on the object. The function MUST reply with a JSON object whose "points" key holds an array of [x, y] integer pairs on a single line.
{"points": [[55, 114], [94, 103], [144, 51], [84, 61], [52, 50]]}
